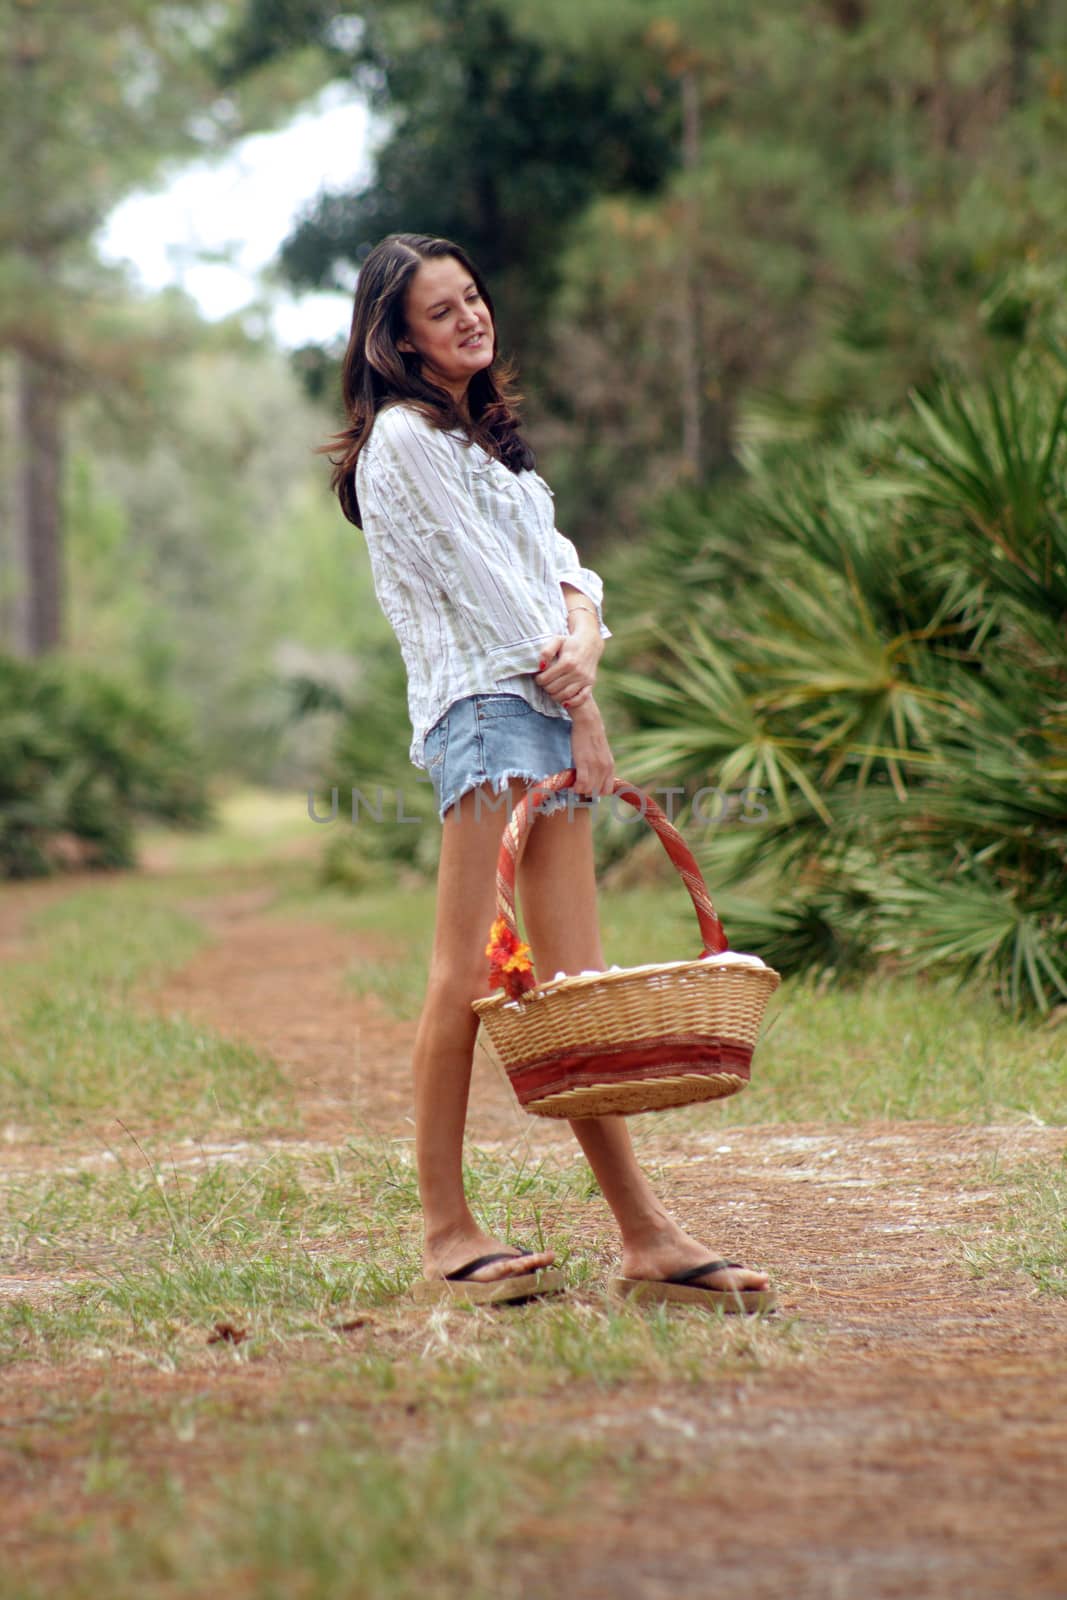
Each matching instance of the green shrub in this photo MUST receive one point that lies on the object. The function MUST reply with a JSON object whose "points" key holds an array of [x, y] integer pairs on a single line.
{"points": [[81, 755], [386, 814]]}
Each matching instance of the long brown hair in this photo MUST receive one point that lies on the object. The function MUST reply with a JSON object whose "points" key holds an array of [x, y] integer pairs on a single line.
{"points": [[376, 373]]}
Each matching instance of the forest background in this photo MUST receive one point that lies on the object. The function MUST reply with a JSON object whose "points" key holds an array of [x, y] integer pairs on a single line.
{"points": [[787, 287]]}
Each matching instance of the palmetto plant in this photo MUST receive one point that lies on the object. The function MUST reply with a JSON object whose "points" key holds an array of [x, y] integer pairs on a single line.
{"points": [[892, 671], [991, 473]]}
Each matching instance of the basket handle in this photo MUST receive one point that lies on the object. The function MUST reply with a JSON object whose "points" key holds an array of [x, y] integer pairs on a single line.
{"points": [[523, 817]]}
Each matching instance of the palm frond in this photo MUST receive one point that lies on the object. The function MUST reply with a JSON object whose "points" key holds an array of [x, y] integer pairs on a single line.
{"points": [[978, 927], [993, 469]]}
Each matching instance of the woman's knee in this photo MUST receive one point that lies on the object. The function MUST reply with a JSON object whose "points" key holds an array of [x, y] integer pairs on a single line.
{"points": [[453, 983]]}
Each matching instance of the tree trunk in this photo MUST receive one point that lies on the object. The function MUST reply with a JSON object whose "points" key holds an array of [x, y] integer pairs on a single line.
{"points": [[692, 351], [38, 541], [1023, 20], [10, 553]]}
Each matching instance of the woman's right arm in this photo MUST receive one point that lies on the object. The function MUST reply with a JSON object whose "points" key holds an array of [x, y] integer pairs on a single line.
{"points": [[594, 763], [416, 490]]}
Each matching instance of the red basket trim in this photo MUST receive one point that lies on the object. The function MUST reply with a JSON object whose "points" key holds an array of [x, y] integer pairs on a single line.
{"points": [[600, 1063]]}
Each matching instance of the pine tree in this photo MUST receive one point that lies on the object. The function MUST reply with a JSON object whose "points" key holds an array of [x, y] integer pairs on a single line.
{"points": [[94, 98]]}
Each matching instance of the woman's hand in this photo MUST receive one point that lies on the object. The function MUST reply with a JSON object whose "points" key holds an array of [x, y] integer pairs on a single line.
{"points": [[571, 663], [594, 763]]}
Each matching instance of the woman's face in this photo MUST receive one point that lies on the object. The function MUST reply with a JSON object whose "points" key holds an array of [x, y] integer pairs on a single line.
{"points": [[448, 324]]}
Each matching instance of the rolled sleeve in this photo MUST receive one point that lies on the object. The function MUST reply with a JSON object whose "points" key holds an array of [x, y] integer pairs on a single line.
{"points": [[569, 569]]}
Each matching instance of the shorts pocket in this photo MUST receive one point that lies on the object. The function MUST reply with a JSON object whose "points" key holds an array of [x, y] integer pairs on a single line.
{"points": [[494, 707], [434, 746]]}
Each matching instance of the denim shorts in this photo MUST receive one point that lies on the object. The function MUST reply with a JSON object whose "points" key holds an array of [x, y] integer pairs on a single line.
{"points": [[491, 738]]}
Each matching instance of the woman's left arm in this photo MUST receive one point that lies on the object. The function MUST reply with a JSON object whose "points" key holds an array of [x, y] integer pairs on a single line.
{"points": [[580, 584]]}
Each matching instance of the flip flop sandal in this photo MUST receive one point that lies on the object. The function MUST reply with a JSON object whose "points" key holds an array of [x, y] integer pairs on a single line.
{"points": [[681, 1288], [516, 1286]]}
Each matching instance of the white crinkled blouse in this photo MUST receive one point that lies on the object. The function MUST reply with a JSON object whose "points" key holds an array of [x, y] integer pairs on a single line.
{"points": [[467, 564]]}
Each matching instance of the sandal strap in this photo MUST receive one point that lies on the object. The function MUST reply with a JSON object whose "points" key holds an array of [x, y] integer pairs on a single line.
{"points": [[698, 1272], [483, 1261]]}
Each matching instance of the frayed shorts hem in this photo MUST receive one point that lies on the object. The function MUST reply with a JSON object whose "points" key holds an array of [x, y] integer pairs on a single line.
{"points": [[544, 805], [494, 740]]}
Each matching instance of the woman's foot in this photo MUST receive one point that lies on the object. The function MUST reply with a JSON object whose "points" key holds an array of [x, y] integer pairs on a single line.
{"points": [[448, 1254], [672, 1250]]}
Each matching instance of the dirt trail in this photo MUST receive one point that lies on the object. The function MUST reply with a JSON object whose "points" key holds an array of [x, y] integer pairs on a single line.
{"points": [[922, 1453]]}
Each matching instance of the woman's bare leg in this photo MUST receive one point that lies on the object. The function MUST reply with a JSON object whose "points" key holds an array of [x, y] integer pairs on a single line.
{"points": [[444, 1042], [557, 891]]}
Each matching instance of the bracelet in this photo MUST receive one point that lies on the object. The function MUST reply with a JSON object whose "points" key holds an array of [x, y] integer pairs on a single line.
{"points": [[572, 609]]}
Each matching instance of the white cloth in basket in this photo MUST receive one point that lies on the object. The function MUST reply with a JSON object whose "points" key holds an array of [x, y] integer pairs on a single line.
{"points": [[726, 958]]}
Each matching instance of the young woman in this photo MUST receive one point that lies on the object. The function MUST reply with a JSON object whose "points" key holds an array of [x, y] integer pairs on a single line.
{"points": [[501, 633]]}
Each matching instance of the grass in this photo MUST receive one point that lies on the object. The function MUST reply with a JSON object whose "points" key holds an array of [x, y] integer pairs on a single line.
{"points": [[351, 1444], [74, 1051], [429, 1523], [896, 1048], [398, 983], [312, 1494], [1031, 1230], [252, 825], [891, 1047], [291, 1246]]}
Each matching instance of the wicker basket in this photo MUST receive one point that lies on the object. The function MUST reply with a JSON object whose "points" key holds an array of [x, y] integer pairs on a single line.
{"points": [[640, 1039]]}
